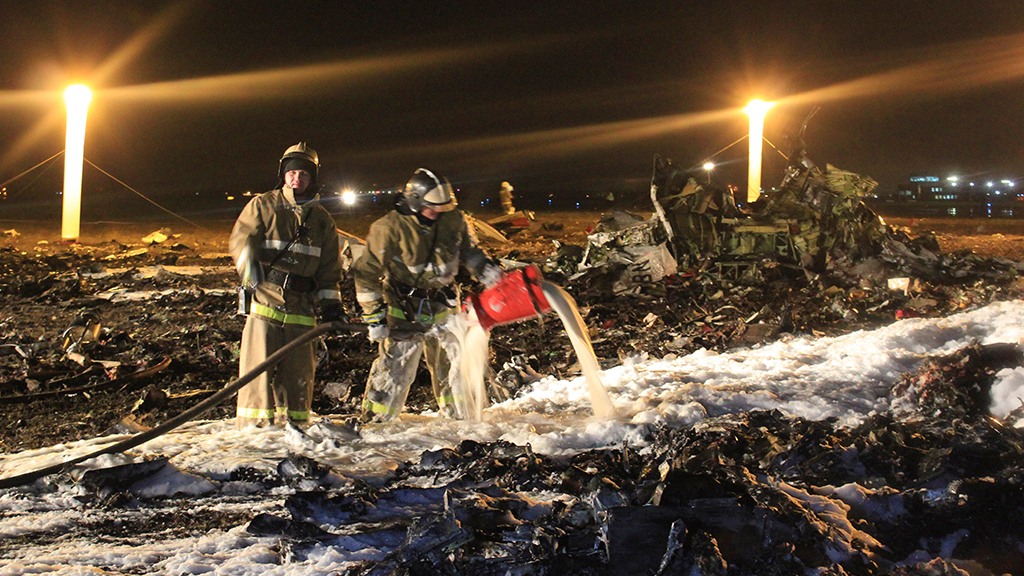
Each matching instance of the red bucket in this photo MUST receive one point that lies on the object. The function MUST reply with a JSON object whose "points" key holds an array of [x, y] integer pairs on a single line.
{"points": [[515, 297]]}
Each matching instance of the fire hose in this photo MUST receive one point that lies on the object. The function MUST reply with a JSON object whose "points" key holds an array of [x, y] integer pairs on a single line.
{"points": [[198, 409]]}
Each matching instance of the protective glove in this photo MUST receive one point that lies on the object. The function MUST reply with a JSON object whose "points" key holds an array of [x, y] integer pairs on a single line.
{"points": [[491, 275], [250, 271], [377, 332], [332, 311]]}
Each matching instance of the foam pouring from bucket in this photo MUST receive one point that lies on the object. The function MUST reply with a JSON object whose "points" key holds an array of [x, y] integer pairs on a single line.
{"points": [[517, 296], [524, 294]]}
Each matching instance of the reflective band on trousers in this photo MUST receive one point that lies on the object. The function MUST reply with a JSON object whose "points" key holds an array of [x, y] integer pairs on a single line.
{"points": [[282, 317], [297, 415], [378, 408], [267, 414], [382, 409], [255, 413], [422, 319]]}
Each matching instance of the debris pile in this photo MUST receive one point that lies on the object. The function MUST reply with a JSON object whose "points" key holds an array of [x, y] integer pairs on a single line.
{"points": [[815, 225], [754, 493]]}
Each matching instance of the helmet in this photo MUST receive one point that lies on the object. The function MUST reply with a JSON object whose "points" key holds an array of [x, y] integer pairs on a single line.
{"points": [[299, 157], [506, 185], [427, 189]]}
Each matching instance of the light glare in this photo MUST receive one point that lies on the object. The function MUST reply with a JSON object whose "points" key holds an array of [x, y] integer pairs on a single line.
{"points": [[756, 109], [76, 99]]}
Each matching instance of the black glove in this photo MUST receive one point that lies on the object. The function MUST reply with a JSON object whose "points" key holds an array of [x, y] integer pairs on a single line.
{"points": [[332, 312]]}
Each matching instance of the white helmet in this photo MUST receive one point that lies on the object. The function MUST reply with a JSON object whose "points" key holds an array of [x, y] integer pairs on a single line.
{"points": [[427, 189]]}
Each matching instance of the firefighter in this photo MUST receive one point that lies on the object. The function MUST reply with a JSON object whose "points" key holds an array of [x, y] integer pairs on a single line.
{"points": [[286, 249], [405, 280], [506, 198]]}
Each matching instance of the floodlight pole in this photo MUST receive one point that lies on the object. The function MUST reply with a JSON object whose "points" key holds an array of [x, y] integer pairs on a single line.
{"points": [[756, 109], [76, 98]]}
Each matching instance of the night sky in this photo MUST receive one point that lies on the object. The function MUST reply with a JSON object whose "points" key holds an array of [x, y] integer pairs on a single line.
{"points": [[196, 100]]}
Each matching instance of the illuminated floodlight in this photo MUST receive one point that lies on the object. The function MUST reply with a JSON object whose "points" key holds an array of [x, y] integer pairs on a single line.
{"points": [[989, 184], [76, 99], [348, 197], [708, 167], [756, 110]]}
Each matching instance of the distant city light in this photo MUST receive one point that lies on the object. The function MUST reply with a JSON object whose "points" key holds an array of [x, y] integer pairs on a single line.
{"points": [[989, 184], [76, 99]]}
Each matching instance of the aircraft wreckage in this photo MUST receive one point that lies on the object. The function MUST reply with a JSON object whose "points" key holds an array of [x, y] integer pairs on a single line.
{"points": [[814, 222]]}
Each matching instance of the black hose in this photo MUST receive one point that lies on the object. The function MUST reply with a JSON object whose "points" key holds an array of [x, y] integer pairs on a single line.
{"points": [[191, 413]]}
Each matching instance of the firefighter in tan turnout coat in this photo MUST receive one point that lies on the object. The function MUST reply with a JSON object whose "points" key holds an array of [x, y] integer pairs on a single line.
{"points": [[285, 246], [405, 281]]}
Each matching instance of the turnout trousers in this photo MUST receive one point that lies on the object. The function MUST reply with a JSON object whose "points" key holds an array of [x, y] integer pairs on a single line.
{"points": [[284, 392], [394, 371]]}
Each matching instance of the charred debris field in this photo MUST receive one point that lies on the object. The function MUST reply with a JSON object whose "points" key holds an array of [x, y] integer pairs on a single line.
{"points": [[136, 323]]}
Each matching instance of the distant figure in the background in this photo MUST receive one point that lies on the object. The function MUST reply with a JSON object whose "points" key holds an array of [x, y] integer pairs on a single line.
{"points": [[506, 198], [285, 246]]}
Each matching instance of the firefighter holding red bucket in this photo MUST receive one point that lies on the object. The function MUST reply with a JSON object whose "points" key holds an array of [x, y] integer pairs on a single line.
{"points": [[405, 282]]}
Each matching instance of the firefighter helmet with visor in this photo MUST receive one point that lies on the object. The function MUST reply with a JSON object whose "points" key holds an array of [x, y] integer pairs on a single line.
{"points": [[427, 189]]}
